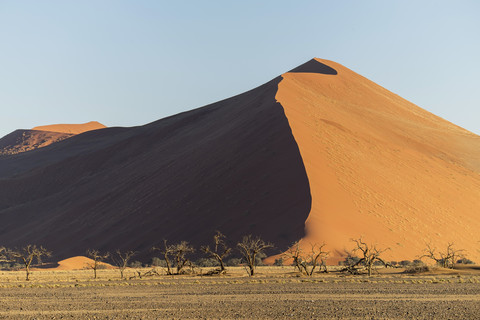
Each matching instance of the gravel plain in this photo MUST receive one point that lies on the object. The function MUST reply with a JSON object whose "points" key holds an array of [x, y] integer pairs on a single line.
{"points": [[269, 295]]}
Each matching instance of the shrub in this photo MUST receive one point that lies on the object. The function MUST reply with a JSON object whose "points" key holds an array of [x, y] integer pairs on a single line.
{"points": [[234, 262], [158, 262], [206, 262], [278, 262], [417, 269], [136, 264], [405, 263], [465, 261]]}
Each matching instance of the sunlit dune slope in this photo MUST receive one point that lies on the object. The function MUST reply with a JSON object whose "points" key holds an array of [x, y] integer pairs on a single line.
{"points": [[27, 140], [71, 128], [381, 167]]}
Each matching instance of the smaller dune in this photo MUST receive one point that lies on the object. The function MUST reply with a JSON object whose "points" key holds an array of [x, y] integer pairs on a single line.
{"points": [[79, 263], [71, 128]]}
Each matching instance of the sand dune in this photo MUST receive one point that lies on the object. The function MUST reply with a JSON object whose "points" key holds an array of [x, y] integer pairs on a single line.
{"points": [[71, 128], [381, 167], [78, 263], [27, 140], [320, 154]]}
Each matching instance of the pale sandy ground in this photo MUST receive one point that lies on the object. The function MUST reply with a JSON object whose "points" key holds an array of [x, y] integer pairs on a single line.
{"points": [[381, 167], [275, 293]]}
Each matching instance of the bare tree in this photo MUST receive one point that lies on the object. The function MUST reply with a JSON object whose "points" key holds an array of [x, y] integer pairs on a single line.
{"points": [[307, 262], [295, 253], [181, 250], [250, 248], [97, 257], [176, 252], [446, 258], [220, 250], [315, 257], [121, 260], [369, 255], [167, 252], [27, 254]]}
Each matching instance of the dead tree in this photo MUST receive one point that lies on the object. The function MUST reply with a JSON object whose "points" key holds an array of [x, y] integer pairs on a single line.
{"points": [[369, 254], [295, 253], [97, 258], [121, 260], [220, 250], [167, 251], [307, 262], [445, 259], [250, 248], [27, 254], [181, 250], [315, 257]]}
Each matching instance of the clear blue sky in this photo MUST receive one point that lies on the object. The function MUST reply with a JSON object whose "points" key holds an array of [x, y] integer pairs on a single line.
{"points": [[127, 63]]}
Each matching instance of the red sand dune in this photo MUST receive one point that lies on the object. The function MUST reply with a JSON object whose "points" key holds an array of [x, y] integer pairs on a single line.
{"points": [[71, 128], [319, 153], [26, 140], [381, 167], [79, 263]]}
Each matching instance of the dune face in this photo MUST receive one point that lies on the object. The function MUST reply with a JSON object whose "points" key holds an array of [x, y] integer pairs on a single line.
{"points": [[319, 154], [71, 128], [232, 166], [381, 167]]}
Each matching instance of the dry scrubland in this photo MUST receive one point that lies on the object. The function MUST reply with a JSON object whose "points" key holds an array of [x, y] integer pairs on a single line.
{"points": [[275, 292]]}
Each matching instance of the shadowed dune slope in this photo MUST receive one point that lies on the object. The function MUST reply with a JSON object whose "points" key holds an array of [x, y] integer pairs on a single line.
{"points": [[232, 166], [381, 167]]}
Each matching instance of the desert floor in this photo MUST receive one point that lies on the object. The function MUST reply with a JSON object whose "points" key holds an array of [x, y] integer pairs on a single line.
{"points": [[275, 293]]}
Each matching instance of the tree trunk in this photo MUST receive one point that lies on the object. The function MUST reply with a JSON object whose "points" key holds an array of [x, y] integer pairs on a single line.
{"points": [[222, 266]]}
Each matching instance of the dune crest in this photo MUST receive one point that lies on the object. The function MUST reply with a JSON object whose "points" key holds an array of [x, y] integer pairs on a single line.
{"points": [[71, 128]]}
